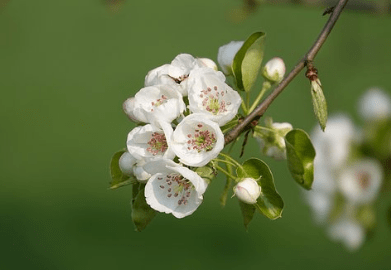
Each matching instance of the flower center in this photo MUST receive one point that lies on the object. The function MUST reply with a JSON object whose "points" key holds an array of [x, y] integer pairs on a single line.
{"points": [[159, 101], [157, 143], [213, 100], [177, 187], [201, 140]]}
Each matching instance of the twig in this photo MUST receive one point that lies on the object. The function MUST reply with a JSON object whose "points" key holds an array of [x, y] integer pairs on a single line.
{"points": [[309, 57]]}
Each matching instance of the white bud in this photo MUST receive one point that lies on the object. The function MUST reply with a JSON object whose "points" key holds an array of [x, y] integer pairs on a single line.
{"points": [[247, 191], [128, 107], [126, 163], [227, 54], [274, 70]]}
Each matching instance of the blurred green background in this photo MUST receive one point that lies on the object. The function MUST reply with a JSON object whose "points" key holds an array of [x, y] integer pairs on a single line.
{"points": [[67, 66]]}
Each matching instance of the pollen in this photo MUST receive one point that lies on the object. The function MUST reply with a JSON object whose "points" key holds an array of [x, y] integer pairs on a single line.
{"points": [[157, 144]]}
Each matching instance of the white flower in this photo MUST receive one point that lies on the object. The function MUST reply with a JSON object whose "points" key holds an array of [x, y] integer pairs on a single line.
{"points": [[333, 145], [176, 73], [150, 142], [227, 54], [360, 182], [210, 95], [174, 189], [274, 70], [247, 190], [157, 103], [351, 233], [197, 140], [375, 105], [126, 163]]}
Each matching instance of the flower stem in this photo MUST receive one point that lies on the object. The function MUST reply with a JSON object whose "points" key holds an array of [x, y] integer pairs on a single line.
{"points": [[257, 128], [225, 161], [231, 159], [244, 108], [225, 172], [265, 86]]}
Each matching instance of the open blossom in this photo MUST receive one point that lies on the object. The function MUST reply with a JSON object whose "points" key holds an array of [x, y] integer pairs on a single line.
{"points": [[176, 73], [150, 142], [197, 140], [360, 183], [226, 55], [247, 190], [157, 103], [210, 95], [174, 189]]}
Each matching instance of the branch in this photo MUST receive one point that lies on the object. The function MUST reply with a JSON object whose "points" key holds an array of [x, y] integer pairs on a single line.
{"points": [[309, 57]]}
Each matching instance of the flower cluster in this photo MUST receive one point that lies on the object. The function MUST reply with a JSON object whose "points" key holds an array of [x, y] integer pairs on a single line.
{"points": [[179, 111], [348, 171]]}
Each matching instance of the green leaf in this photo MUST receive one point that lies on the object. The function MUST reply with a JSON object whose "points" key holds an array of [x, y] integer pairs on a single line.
{"points": [[319, 103], [207, 173], [269, 203], [248, 211], [142, 213], [247, 62], [118, 179], [300, 157], [227, 187]]}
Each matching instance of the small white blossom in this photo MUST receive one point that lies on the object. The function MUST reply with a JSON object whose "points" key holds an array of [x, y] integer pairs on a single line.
{"points": [[349, 232], [126, 163], [360, 183], [375, 105], [197, 140], [227, 54], [210, 95], [174, 189], [321, 204], [157, 103], [274, 70], [150, 142], [128, 107], [247, 190]]}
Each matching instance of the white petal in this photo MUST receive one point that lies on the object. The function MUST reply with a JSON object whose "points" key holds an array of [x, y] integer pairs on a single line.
{"points": [[126, 163], [209, 94], [185, 151], [349, 232]]}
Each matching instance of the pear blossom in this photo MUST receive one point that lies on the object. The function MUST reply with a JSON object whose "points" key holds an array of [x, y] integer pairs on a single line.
{"points": [[155, 104], [360, 183], [150, 142], [375, 105], [126, 163], [211, 96], [174, 189], [274, 70], [197, 140], [248, 190], [128, 107], [226, 55], [176, 73]]}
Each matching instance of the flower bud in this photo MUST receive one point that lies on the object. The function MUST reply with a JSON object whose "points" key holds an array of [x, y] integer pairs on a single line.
{"points": [[126, 163], [274, 70], [247, 190], [227, 54]]}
